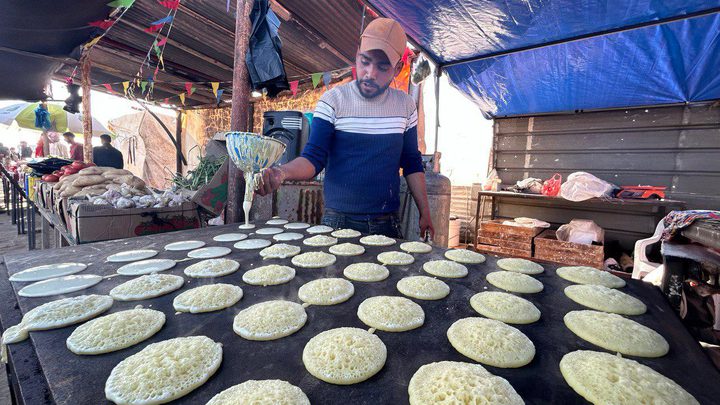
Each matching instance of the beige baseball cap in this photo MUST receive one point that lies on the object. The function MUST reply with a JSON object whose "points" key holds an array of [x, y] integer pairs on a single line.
{"points": [[386, 35]]}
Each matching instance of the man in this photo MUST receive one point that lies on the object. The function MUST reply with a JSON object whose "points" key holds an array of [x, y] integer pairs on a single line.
{"points": [[4, 151], [106, 155], [24, 150], [76, 149], [362, 134]]}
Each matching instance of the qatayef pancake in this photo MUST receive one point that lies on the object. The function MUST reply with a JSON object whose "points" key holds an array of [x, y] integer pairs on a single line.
{"points": [[454, 382], [230, 237], [261, 392], [272, 274], [520, 266], [132, 255], [288, 236], [313, 260], [464, 256], [395, 258], [367, 272], [345, 233], [603, 378], [605, 299], [347, 249], [208, 298], [115, 331], [416, 247], [297, 225], [319, 229], [270, 320], [391, 314], [589, 275], [279, 251], [320, 240], [59, 285], [146, 287], [445, 268], [48, 271], [423, 288], [514, 282], [249, 244], [491, 342], [146, 267], [164, 371], [326, 291], [276, 221], [377, 240], [344, 356], [505, 307], [209, 252], [185, 245], [212, 268]]}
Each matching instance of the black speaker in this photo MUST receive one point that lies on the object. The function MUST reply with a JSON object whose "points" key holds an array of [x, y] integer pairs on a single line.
{"points": [[289, 127]]}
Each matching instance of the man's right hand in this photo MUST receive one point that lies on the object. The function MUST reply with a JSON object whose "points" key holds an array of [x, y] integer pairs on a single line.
{"points": [[272, 178]]}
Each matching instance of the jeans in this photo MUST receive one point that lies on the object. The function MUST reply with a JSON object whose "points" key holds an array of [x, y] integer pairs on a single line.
{"points": [[386, 224]]}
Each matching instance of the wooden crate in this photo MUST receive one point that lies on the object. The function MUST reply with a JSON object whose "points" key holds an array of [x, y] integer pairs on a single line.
{"points": [[503, 251], [507, 240], [548, 247]]}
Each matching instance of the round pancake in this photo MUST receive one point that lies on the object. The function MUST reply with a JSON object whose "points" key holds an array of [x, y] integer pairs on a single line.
{"points": [[208, 298], [209, 252], [603, 378], [184, 245], [345, 233], [246, 226], [344, 356], [319, 229], [314, 260], [347, 249], [445, 268], [146, 267], [272, 274], [505, 307], [132, 255], [616, 333], [164, 371], [464, 256], [212, 268], [415, 247], [605, 299], [320, 240], [454, 382], [59, 285], [297, 225], [249, 244], [589, 275], [230, 237], [261, 392], [47, 271], [288, 236], [377, 240], [146, 287], [326, 291], [367, 272], [423, 288], [276, 221], [514, 282], [520, 266], [391, 314], [280, 251], [270, 320], [269, 231], [395, 258], [115, 331], [491, 342]]}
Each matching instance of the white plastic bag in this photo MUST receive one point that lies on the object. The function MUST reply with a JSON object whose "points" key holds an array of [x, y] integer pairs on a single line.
{"points": [[581, 186], [582, 231]]}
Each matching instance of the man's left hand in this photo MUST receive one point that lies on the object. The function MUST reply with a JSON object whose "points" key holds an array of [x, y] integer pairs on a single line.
{"points": [[426, 226]]}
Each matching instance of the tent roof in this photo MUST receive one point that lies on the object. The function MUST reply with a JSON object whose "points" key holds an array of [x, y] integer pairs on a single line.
{"points": [[317, 36], [533, 56]]}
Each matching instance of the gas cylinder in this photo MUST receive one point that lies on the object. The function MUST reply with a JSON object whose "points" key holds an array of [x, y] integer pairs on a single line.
{"points": [[438, 191]]}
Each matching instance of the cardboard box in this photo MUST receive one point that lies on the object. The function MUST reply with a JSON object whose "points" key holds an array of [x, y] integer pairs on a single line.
{"points": [[213, 195], [93, 223], [548, 247]]}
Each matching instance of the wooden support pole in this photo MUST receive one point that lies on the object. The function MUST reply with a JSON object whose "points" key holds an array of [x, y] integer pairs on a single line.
{"points": [[240, 104], [178, 143], [86, 114]]}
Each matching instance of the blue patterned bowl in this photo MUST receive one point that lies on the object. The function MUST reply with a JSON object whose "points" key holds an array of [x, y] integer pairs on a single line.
{"points": [[253, 152]]}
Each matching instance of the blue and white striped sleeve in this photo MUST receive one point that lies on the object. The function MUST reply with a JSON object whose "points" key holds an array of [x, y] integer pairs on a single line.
{"points": [[322, 131], [410, 159]]}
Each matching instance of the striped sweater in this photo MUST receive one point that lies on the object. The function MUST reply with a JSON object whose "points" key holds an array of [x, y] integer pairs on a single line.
{"points": [[362, 143]]}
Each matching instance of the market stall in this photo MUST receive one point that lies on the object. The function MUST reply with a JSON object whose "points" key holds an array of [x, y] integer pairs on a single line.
{"points": [[46, 371]]}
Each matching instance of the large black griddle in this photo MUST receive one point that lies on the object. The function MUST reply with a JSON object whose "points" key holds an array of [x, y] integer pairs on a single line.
{"points": [[64, 378]]}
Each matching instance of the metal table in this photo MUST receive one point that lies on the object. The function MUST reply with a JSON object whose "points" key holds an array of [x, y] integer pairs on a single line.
{"points": [[47, 372]]}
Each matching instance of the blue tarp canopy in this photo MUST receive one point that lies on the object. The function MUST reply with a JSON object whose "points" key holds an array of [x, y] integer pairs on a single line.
{"points": [[538, 56]]}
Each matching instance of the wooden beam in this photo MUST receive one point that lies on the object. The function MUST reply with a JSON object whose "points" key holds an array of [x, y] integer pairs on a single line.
{"points": [[240, 105], [85, 67], [178, 143]]}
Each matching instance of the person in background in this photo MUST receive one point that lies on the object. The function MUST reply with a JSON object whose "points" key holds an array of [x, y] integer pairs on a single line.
{"points": [[24, 150], [4, 150], [107, 155], [13, 155], [76, 149]]}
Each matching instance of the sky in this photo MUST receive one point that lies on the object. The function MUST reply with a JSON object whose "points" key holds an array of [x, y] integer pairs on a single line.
{"points": [[465, 136]]}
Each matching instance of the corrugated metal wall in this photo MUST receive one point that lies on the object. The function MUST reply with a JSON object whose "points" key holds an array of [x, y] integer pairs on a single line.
{"points": [[676, 146]]}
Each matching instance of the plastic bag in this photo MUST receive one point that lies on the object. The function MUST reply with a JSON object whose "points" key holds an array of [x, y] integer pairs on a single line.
{"points": [[492, 181], [581, 186], [582, 231], [551, 186], [264, 57]]}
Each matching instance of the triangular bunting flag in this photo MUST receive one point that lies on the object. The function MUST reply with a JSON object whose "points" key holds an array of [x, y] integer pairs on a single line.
{"points": [[162, 41], [102, 24], [93, 42], [405, 56], [121, 3], [165, 20], [316, 79], [125, 87], [218, 96], [108, 87], [166, 100], [182, 98], [171, 4], [156, 48], [215, 86], [327, 78], [153, 28], [294, 87], [143, 85], [188, 88], [354, 73], [157, 68]]}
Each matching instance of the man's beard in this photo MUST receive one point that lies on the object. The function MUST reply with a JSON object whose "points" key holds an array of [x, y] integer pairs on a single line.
{"points": [[378, 90]]}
